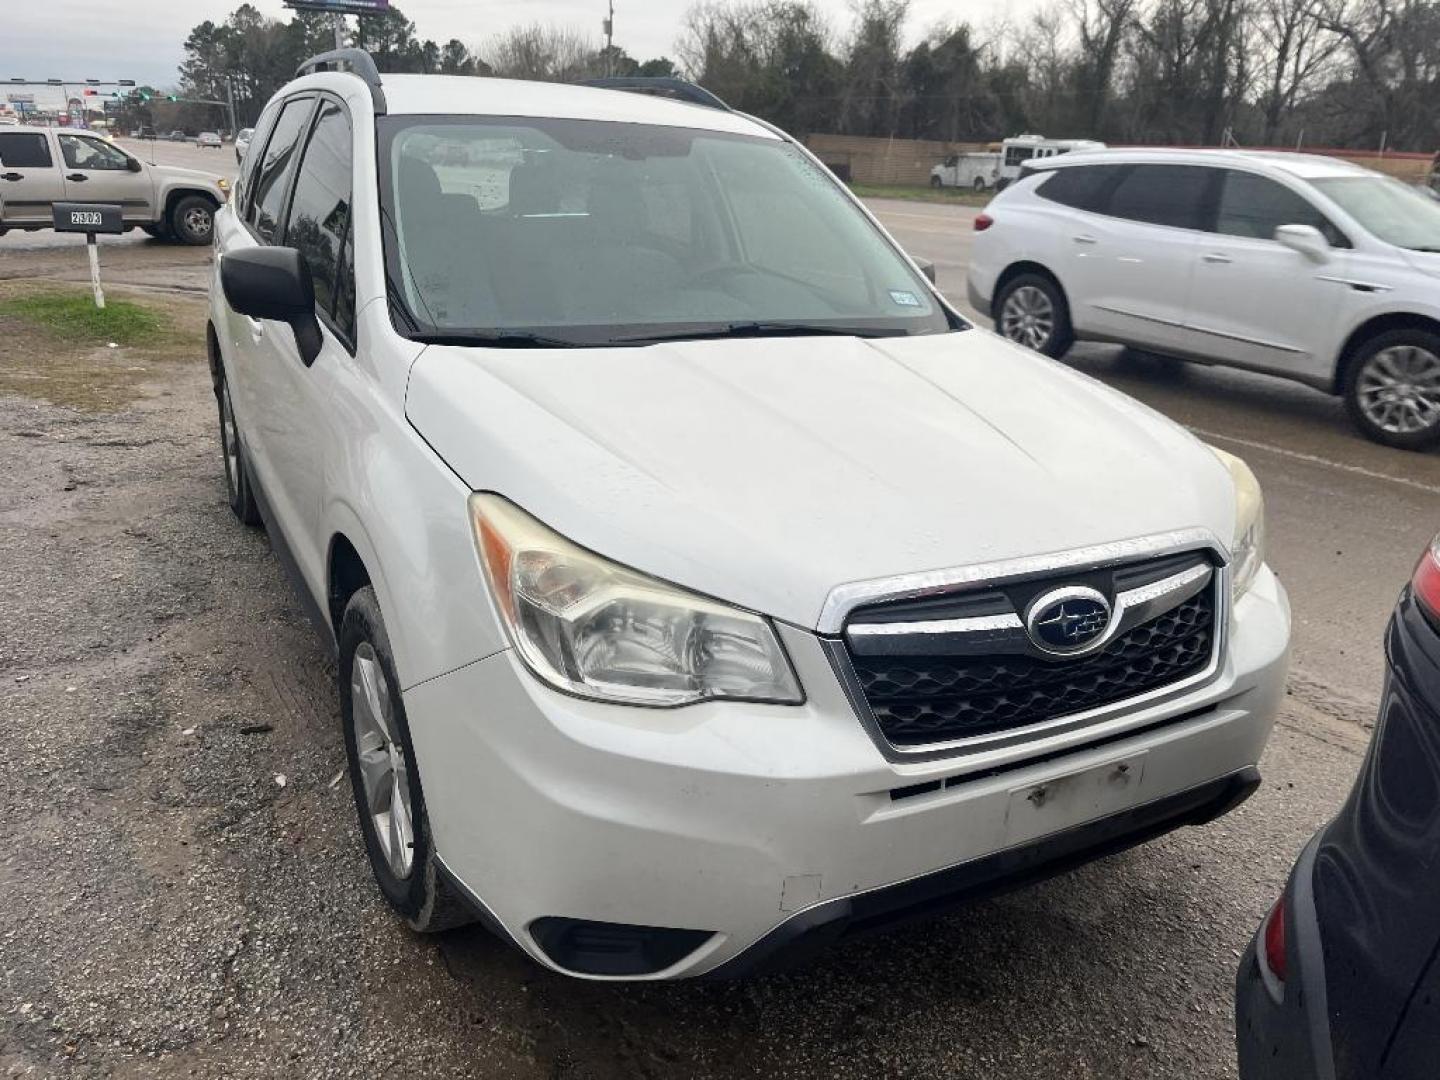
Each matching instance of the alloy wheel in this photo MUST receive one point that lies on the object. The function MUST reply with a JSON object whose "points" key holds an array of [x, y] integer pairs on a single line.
{"points": [[229, 442], [384, 771], [1028, 317], [1398, 389]]}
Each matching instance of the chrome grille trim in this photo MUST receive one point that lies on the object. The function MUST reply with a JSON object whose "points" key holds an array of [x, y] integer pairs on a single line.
{"points": [[843, 599], [1006, 633]]}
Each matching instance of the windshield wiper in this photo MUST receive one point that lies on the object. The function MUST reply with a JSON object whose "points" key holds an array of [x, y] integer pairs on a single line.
{"points": [[762, 329], [497, 339]]}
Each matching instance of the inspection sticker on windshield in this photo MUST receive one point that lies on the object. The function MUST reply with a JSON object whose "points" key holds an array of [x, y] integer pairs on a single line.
{"points": [[904, 299]]}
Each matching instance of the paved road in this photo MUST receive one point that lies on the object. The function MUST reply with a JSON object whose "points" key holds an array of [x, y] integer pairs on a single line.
{"points": [[172, 910]]}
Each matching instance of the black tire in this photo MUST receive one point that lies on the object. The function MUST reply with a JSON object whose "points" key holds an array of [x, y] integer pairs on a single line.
{"points": [[238, 492], [936, 182], [192, 220], [979, 185], [1396, 356], [422, 896], [1002, 183], [1050, 334]]}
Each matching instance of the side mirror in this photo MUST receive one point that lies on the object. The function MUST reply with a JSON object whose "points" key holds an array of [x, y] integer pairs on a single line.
{"points": [[1306, 239], [274, 283], [927, 268], [133, 164]]}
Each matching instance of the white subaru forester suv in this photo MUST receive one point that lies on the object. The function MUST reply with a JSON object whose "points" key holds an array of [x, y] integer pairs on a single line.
{"points": [[1290, 264], [703, 588]]}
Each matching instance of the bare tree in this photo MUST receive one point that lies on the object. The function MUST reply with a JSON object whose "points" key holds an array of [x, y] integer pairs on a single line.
{"points": [[1292, 53], [545, 53], [1102, 29]]}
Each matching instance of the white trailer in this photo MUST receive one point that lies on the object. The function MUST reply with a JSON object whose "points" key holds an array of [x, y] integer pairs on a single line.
{"points": [[978, 170], [1021, 148]]}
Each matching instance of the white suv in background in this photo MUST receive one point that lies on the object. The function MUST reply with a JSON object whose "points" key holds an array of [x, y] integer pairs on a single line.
{"points": [[702, 586], [1290, 264]]}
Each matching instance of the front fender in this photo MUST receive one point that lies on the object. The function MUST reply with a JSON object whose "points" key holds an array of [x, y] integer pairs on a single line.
{"points": [[405, 513]]}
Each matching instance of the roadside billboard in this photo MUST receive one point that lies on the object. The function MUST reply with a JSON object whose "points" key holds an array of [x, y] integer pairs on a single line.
{"points": [[341, 7]]}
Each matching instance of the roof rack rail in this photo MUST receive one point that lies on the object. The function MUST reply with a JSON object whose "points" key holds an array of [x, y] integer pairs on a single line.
{"points": [[358, 62], [660, 86]]}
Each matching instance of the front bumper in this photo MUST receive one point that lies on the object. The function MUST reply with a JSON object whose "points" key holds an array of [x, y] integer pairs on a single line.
{"points": [[739, 820]]}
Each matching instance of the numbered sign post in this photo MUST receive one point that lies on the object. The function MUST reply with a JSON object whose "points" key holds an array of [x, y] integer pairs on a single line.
{"points": [[90, 219]]}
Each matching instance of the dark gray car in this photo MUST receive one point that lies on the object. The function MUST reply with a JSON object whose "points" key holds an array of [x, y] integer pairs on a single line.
{"points": [[1342, 981]]}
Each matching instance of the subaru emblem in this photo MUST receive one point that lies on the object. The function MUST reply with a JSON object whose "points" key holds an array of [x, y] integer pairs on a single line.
{"points": [[1068, 620]]}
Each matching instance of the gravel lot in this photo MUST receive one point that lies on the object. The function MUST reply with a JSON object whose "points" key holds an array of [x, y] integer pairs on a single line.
{"points": [[186, 894]]}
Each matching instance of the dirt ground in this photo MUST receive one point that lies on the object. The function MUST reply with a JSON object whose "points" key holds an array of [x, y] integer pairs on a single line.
{"points": [[185, 893]]}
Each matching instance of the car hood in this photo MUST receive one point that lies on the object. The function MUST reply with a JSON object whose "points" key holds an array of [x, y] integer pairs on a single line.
{"points": [[767, 472], [191, 175]]}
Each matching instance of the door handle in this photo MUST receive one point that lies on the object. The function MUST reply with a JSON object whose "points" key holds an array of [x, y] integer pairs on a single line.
{"points": [[1216, 257], [1084, 238], [12, 176], [77, 177]]}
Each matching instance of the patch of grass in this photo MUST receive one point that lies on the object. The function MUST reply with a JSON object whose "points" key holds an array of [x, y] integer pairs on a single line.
{"points": [[72, 318], [55, 344], [953, 196]]}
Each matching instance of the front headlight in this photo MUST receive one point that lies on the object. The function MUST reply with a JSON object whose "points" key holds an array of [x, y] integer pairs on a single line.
{"points": [[590, 627], [1247, 548]]}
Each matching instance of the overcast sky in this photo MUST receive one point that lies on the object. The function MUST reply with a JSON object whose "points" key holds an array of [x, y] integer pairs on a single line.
{"points": [[141, 39]]}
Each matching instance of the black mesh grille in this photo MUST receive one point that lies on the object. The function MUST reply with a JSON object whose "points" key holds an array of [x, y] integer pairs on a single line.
{"points": [[918, 700]]}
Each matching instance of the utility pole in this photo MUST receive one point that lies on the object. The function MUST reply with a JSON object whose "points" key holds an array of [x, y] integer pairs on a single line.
{"points": [[230, 103], [610, 41], [337, 22]]}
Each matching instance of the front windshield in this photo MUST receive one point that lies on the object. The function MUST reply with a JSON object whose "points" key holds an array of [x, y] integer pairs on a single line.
{"points": [[592, 232], [1397, 214]]}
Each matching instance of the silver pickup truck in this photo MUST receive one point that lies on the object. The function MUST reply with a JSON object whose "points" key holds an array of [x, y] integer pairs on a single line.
{"points": [[42, 166]]}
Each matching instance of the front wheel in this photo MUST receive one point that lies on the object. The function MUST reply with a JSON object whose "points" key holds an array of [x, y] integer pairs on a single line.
{"points": [[238, 492], [192, 221], [1031, 311], [936, 182], [1392, 389], [383, 776]]}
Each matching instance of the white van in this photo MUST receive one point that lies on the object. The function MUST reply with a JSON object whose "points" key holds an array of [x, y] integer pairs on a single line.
{"points": [[978, 170]]}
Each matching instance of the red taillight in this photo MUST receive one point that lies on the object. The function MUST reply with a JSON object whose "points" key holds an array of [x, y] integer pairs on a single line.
{"points": [[1274, 940], [1426, 582], [983, 222]]}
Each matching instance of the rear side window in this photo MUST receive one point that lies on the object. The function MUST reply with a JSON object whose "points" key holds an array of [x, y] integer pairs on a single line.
{"points": [[1171, 195], [320, 209], [272, 179], [25, 150], [1256, 206], [1083, 187]]}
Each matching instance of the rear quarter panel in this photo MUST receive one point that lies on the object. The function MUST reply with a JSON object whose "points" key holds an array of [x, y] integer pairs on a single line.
{"points": [[1023, 231], [1375, 870]]}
